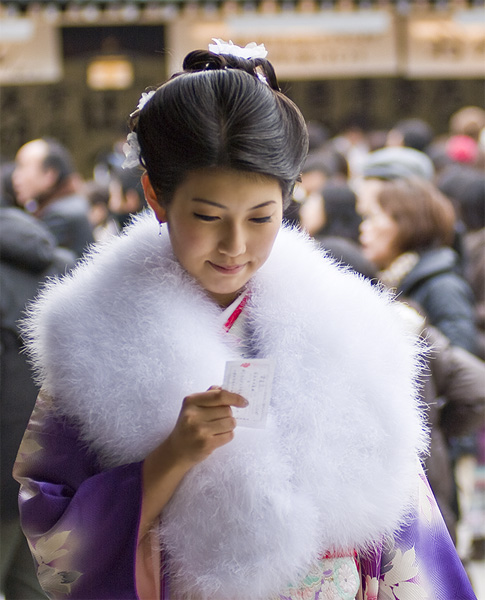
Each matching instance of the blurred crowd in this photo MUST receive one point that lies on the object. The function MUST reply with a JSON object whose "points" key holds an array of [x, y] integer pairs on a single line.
{"points": [[404, 208]]}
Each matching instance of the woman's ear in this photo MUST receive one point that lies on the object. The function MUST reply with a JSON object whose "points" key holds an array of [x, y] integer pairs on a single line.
{"points": [[152, 199]]}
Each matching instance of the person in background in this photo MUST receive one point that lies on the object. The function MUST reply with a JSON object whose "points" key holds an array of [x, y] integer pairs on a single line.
{"points": [[407, 231], [469, 121], [126, 197], [103, 223], [46, 184], [321, 168], [472, 211], [388, 164], [28, 255], [340, 215], [462, 149], [7, 193], [318, 169], [466, 139], [465, 187], [332, 220], [352, 143], [454, 392], [411, 133], [323, 165], [318, 136]]}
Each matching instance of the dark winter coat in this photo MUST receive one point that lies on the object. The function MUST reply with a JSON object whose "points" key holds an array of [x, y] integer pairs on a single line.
{"points": [[455, 395], [475, 275], [67, 219], [446, 298], [28, 254]]}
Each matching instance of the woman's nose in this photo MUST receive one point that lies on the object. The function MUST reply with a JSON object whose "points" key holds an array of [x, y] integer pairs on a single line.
{"points": [[233, 241]]}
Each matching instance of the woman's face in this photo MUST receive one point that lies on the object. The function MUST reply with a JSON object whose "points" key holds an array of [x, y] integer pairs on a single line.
{"points": [[222, 225], [379, 236]]}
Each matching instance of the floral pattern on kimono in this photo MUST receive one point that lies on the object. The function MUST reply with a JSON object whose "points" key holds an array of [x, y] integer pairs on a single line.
{"points": [[420, 562]]}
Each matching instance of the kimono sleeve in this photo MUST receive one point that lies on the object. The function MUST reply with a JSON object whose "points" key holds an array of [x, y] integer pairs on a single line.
{"points": [[420, 562], [81, 523]]}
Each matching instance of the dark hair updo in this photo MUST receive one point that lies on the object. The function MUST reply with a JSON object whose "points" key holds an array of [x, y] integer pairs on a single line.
{"points": [[221, 111]]}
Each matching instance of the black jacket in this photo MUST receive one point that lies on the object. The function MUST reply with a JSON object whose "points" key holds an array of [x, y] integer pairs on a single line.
{"points": [[28, 254], [446, 298], [67, 219]]}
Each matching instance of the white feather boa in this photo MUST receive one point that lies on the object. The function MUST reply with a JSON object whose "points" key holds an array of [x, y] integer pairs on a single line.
{"points": [[120, 343]]}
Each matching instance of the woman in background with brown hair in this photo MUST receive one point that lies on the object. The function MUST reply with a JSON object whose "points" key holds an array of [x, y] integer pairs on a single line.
{"points": [[407, 232]]}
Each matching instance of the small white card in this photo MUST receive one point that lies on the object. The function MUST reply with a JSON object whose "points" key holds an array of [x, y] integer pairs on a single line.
{"points": [[252, 379]]}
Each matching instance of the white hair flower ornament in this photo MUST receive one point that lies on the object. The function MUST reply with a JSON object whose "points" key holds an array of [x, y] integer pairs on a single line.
{"points": [[132, 151], [132, 148], [144, 99], [251, 50]]}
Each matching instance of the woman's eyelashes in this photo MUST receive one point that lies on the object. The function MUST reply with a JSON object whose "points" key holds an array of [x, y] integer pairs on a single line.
{"points": [[205, 217], [210, 218], [261, 219]]}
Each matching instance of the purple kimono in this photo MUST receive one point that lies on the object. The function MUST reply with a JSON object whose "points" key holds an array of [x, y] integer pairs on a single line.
{"points": [[99, 350], [82, 527]]}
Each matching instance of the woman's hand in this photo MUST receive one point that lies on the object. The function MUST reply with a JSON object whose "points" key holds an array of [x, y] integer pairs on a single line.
{"points": [[205, 423]]}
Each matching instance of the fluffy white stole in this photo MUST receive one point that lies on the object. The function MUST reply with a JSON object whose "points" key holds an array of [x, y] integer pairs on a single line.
{"points": [[123, 340]]}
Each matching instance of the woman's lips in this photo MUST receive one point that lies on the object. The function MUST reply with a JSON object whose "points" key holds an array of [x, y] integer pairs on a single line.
{"points": [[227, 269]]}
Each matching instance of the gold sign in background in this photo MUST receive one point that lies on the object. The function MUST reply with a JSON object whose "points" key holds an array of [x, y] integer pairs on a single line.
{"points": [[359, 43], [303, 46], [447, 45]]}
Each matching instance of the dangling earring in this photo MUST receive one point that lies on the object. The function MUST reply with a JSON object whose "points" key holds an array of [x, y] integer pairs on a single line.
{"points": [[159, 229]]}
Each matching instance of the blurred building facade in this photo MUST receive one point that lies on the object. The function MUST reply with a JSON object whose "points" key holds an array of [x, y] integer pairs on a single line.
{"points": [[74, 69]]}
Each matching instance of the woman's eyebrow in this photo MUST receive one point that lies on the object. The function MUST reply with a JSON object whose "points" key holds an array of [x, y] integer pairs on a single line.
{"points": [[210, 202], [218, 205], [263, 204]]}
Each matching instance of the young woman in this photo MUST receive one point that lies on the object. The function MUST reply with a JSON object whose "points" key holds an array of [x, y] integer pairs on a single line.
{"points": [[136, 481], [407, 232]]}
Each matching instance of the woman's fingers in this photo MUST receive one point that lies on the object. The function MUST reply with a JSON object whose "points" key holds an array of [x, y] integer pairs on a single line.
{"points": [[222, 426], [215, 397], [214, 413], [205, 423]]}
